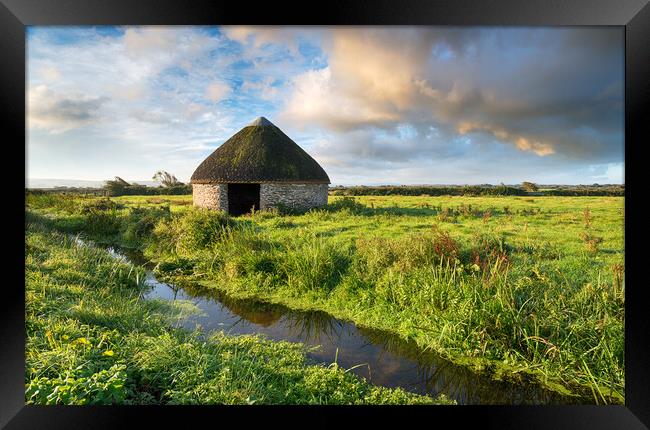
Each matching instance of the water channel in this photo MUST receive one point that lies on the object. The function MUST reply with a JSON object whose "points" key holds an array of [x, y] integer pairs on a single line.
{"points": [[382, 358]]}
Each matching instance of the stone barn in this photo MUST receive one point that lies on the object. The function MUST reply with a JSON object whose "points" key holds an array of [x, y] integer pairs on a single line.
{"points": [[259, 167]]}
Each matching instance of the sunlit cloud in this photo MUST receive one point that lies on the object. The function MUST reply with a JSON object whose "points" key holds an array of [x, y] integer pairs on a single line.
{"points": [[520, 142], [381, 78]]}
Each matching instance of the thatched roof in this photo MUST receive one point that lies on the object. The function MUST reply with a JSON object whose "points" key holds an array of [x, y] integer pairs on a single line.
{"points": [[259, 152]]}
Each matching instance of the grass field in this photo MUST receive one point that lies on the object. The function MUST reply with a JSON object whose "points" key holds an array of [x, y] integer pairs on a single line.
{"points": [[91, 340], [510, 286]]}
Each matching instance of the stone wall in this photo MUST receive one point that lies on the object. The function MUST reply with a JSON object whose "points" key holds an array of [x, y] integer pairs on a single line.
{"points": [[212, 196], [298, 196]]}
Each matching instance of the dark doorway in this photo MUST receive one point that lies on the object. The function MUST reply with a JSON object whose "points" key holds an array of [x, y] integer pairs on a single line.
{"points": [[242, 198]]}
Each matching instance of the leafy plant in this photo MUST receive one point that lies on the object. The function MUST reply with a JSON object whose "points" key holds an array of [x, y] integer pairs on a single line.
{"points": [[102, 388]]}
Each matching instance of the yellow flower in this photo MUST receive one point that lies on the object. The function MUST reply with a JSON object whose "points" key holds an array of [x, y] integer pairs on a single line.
{"points": [[66, 337], [50, 338], [109, 353], [83, 341]]}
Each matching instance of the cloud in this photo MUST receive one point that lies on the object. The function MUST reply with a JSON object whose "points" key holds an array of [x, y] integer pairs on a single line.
{"points": [[316, 100], [258, 37], [217, 91], [140, 74], [546, 92], [149, 41], [368, 102], [58, 113], [520, 142], [51, 73], [151, 116], [265, 88], [128, 102]]}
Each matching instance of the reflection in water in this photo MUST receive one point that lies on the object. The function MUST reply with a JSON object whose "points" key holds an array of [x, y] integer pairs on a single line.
{"points": [[382, 358], [260, 313], [315, 326], [436, 375]]}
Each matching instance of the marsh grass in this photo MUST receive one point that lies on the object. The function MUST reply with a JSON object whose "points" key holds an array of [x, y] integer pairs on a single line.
{"points": [[92, 340], [512, 293]]}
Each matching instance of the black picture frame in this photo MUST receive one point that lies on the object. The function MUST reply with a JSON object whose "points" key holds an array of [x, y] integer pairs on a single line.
{"points": [[633, 15]]}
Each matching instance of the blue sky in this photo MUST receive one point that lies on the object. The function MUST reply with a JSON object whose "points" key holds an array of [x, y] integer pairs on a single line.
{"points": [[407, 105]]}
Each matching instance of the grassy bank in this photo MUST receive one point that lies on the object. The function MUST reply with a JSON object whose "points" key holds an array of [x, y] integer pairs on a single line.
{"points": [[92, 340], [507, 285]]}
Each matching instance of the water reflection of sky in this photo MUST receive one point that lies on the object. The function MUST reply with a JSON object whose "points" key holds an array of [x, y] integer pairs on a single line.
{"points": [[382, 358]]}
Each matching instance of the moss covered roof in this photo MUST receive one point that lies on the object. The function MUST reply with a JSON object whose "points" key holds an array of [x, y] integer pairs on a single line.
{"points": [[260, 152]]}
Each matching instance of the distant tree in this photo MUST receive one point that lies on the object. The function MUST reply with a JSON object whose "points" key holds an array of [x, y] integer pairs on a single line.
{"points": [[121, 181], [171, 186], [166, 179], [529, 186], [116, 187]]}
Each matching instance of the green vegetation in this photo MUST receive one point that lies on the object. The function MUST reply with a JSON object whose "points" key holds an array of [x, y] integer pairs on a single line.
{"points": [[92, 340], [525, 189], [170, 186], [516, 287], [529, 186], [116, 188]]}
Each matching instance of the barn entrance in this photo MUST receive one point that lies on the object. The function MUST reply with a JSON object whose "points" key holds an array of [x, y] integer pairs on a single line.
{"points": [[242, 198]]}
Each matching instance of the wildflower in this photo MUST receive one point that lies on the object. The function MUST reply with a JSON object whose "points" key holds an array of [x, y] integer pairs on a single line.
{"points": [[109, 353], [50, 338]]}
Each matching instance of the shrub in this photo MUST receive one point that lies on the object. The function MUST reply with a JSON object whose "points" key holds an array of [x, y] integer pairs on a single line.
{"points": [[140, 223], [409, 190], [115, 189], [616, 190], [99, 205], [474, 190], [193, 230], [102, 223], [529, 186]]}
